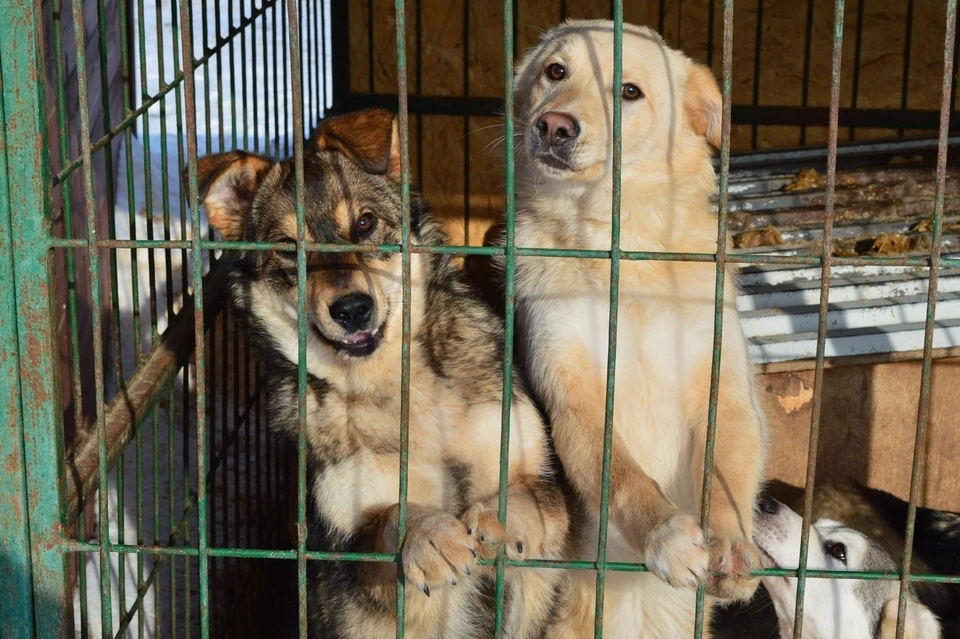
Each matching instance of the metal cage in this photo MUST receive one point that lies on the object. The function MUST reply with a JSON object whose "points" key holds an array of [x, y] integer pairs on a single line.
{"points": [[186, 395]]}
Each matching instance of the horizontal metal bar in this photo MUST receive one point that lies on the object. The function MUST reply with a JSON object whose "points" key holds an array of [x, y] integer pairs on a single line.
{"points": [[139, 395], [743, 258], [70, 545], [784, 158], [792, 366], [740, 113]]}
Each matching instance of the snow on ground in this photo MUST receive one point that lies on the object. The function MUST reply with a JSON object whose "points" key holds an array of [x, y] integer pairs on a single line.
{"points": [[258, 119]]}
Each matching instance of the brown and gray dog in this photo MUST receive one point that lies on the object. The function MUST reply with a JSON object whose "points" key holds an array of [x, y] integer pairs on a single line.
{"points": [[353, 358], [564, 157]]}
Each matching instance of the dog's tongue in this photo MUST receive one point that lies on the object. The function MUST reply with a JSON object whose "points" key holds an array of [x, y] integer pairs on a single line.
{"points": [[356, 338]]}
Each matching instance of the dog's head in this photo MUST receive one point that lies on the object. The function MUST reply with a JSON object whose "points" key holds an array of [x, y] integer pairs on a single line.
{"points": [[565, 94], [351, 183], [833, 608]]}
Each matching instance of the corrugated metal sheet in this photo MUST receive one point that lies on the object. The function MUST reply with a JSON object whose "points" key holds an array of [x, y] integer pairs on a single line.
{"points": [[883, 207]]}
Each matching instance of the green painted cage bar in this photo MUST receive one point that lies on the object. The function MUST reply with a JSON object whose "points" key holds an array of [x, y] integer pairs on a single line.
{"points": [[40, 531]]}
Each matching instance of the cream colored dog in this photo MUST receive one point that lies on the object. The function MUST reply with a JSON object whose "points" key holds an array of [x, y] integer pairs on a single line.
{"points": [[671, 115]]}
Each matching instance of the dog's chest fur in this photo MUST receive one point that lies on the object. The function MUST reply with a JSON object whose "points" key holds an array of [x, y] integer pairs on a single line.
{"points": [[663, 335]]}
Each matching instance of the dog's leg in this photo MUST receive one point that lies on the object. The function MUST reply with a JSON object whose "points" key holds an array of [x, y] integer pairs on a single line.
{"points": [[538, 527], [737, 470], [671, 540]]}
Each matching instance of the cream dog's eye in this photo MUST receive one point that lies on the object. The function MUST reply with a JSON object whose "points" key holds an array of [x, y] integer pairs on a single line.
{"points": [[556, 71], [631, 92]]}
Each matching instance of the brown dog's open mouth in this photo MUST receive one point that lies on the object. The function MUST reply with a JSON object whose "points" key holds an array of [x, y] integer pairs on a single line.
{"points": [[359, 344]]}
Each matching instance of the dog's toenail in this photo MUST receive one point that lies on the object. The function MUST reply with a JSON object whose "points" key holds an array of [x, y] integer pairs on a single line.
{"points": [[469, 531], [520, 547], [453, 582], [426, 590], [467, 570], [473, 552]]}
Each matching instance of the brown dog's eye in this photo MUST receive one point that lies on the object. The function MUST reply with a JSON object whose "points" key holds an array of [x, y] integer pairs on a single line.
{"points": [[837, 551], [556, 71], [365, 225], [631, 92]]}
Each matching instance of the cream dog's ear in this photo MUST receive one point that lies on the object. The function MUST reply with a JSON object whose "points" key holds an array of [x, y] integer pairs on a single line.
{"points": [[921, 623], [704, 103]]}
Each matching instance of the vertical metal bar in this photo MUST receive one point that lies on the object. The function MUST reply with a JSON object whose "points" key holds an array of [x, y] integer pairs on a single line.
{"points": [[298, 151], [721, 264], [265, 92], [757, 54], [127, 71], [168, 269], [321, 54], [404, 118], [711, 20], [110, 192], [509, 301], [16, 614], [106, 618], [923, 411], [185, 484], [371, 65], [466, 124], [285, 68], [233, 77], [205, 34], [907, 45], [857, 48], [306, 61], [418, 36], [253, 80], [807, 50], [313, 42], [152, 268], [826, 257], [189, 86], [219, 56], [277, 65], [72, 302], [243, 79], [67, 204], [608, 415]]}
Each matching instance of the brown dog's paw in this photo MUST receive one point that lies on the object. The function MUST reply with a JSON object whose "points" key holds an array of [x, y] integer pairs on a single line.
{"points": [[526, 531], [484, 528], [731, 561], [676, 551], [437, 550]]}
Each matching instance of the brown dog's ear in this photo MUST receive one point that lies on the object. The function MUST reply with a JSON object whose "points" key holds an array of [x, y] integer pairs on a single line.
{"points": [[704, 103], [920, 622], [371, 138], [228, 182]]}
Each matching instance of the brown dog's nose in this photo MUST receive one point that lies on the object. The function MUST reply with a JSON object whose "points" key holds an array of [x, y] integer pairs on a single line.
{"points": [[557, 128]]}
